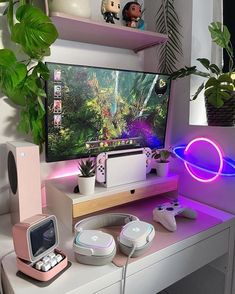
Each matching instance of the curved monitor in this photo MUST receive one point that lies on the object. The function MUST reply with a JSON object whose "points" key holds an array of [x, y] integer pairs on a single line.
{"points": [[92, 110]]}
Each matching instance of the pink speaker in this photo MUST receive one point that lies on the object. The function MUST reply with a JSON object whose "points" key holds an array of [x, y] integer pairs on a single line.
{"points": [[23, 165]]}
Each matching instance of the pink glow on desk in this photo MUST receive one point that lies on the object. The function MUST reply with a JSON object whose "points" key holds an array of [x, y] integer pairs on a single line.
{"points": [[70, 169]]}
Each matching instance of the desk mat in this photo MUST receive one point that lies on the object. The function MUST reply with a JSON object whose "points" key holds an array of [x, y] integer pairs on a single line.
{"points": [[163, 238]]}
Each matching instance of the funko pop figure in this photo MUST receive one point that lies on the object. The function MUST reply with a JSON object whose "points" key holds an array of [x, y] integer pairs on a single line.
{"points": [[131, 14], [110, 10]]}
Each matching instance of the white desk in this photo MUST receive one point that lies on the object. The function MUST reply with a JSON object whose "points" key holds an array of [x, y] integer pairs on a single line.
{"points": [[148, 275]]}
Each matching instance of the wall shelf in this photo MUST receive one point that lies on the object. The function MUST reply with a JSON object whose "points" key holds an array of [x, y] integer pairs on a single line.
{"points": [[85, 30]]}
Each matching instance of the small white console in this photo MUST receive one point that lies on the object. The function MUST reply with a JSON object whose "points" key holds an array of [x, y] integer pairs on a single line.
{"points": [[123, 166]]}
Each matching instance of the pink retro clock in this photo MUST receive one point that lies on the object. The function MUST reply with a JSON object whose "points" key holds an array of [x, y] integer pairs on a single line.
{"points": [[35, 241]]}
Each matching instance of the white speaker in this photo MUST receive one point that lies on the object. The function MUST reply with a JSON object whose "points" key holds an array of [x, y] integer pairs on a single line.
{"points": [[23, 166]]}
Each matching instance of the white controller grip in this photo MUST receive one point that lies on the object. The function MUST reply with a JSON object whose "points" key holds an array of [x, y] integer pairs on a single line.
{"points": [[189, 213], [100, 168]]}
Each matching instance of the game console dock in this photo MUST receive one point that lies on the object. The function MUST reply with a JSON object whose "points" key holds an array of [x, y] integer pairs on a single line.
{"points": [[112, 166]]}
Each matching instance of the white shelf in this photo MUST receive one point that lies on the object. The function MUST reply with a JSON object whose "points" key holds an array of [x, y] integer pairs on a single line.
{"points": [[84, 30], [67, 206]]}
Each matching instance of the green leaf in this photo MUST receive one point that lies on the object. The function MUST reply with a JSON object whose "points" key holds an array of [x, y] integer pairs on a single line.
{"points": [[212, 82], [10, 15], [205, 62], [218, 90], [24, 125], [12, 72], [7, 57], [215, 102], [34, 32], [42, 70], [219, 34], [33, 86], [214, 69], [183, 72], [225, 78]]}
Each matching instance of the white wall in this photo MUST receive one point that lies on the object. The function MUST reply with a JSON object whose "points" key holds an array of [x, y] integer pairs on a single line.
{"points": [[221, 192]]}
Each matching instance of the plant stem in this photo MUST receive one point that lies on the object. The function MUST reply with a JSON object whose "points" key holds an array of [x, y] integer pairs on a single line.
{"points": [[10, 15], [201, 74]]}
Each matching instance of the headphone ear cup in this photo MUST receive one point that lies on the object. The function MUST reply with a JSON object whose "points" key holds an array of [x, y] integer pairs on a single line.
{"points": [[138, 251], [94, 247], [136, 234], [95, 260]]}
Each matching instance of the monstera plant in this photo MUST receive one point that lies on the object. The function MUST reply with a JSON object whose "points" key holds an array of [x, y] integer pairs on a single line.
{"points": [[22, 80], [219, 85]]}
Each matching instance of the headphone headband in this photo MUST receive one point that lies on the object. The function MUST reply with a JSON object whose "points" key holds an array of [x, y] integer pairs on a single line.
{"points": [[104, 220]]}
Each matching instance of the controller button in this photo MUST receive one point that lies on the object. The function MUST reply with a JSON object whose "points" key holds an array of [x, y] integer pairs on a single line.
{"points": [[169, 208]]}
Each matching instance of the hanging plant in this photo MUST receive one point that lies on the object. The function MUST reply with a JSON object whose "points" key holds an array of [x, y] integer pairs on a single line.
{"points": [[167, 22], [22, 81]]}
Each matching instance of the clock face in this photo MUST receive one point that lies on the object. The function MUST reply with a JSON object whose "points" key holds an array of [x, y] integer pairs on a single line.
{"points": [[42, 237]]}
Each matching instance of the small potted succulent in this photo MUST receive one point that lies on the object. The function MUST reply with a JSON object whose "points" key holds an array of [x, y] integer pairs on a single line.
{"points": [[161, 161], [86, 178]]}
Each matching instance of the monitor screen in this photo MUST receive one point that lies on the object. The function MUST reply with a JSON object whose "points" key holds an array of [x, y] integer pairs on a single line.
{"points": [[92, 110]]}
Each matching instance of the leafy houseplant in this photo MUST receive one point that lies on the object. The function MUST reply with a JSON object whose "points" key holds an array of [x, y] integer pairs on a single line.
{"points": [[22, 81], [218, 86], [86, 178], [162, 155], [162, 161]]}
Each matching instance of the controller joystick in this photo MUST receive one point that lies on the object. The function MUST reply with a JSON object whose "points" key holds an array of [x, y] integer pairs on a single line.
{"points": [[165, 214]]}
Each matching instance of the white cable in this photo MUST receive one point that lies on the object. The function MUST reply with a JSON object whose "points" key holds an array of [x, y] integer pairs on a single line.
{"points": [[1, 289], [125, 269]]}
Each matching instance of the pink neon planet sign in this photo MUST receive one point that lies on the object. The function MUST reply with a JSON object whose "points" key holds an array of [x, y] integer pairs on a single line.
{"points": [[189, 167]]}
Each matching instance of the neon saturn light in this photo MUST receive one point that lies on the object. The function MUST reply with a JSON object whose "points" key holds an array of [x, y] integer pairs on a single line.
{"points": [[204, 160]]}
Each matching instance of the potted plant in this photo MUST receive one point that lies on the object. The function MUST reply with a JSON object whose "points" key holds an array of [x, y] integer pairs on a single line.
{"points": [[218, 86], [22, 79], [80, 8], [86, 178], [161, 161]]}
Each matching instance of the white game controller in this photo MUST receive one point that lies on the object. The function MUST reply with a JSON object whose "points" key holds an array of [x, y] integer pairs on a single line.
{"points": [[100, 167], [166, 212], [102, 157]]}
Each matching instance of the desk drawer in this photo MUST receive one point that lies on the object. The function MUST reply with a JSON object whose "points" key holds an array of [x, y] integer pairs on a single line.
{"points": [[169, 270]]}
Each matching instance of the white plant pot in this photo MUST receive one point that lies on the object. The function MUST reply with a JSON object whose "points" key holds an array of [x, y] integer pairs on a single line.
{"points": [[86, 185], [80, 8], [162, 169]]}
